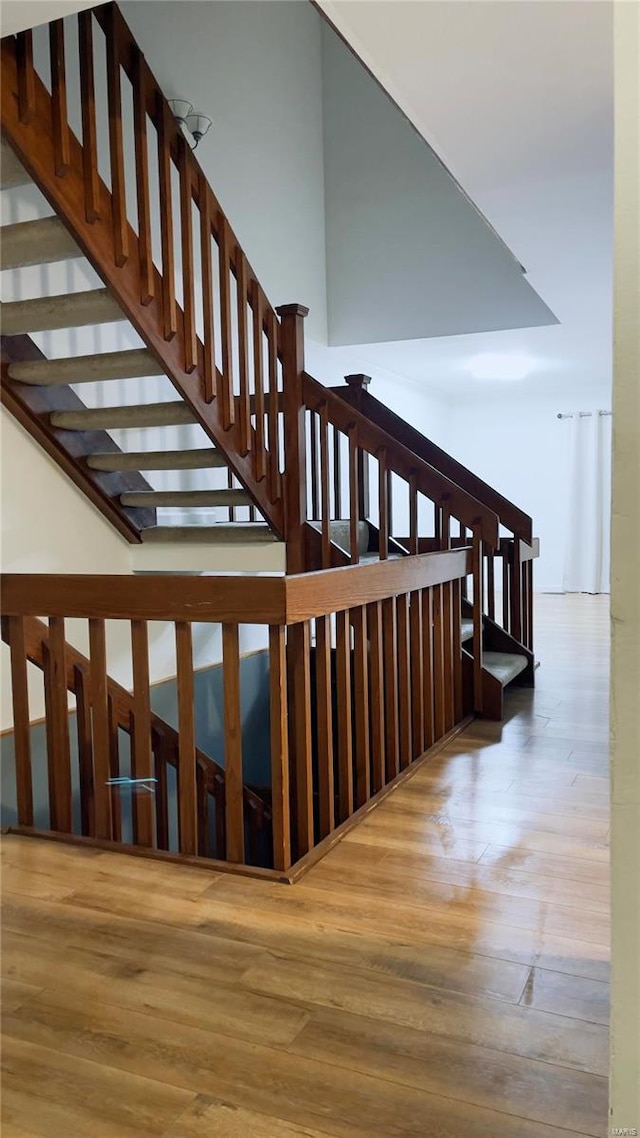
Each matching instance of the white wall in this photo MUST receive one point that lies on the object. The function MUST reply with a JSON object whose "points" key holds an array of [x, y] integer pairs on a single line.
{"points": [[625, 585], [256, 69], [520, 447]]}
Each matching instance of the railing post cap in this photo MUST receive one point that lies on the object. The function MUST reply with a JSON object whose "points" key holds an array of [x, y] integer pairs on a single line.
{"points": [[292, 310], [358, 380]]}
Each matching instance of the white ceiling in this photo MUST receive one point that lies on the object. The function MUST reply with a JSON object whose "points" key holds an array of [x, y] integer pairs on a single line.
{"points": [[516, 98]]}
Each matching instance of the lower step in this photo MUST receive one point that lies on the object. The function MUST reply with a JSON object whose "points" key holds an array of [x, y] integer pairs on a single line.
{"points": [[202, 458], [504, 666], [236, 533], [133, 364], [71, 310], [170, 414]]}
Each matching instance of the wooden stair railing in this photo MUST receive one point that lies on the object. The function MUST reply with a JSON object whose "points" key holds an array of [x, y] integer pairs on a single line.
{"points": [[516, 552], [365, 677], [344, 445], [104, 709], [220, 346]]}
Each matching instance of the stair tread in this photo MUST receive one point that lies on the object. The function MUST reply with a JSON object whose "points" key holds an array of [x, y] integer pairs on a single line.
{"points": [[466, 630], [39, 242], [171, 413], [186, 498], [204, 458], [230, 533], [68, 310], [504, 666], [131, 364]]}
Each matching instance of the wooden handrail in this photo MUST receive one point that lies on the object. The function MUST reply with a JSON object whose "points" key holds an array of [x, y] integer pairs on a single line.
{"points": [[511, 517], [400, 460], [284, 600]]}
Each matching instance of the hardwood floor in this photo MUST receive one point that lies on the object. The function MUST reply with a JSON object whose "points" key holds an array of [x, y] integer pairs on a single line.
{"points": [[443, 972]]}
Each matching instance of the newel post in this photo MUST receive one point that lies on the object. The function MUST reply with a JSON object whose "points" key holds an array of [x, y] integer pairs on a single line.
{"points": [[358, 385], [295, 477]]}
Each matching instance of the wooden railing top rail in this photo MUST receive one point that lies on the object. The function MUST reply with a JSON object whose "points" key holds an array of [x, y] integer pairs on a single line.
{"points": [[403, 461], [283, 600], [511, 517], [37, 639]]}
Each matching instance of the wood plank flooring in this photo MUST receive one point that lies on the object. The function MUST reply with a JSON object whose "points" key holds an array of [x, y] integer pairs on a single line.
{"points": [[443, 972]]}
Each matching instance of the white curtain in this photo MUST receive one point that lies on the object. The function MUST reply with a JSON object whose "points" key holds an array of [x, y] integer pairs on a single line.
{"points": [[586, 567]]}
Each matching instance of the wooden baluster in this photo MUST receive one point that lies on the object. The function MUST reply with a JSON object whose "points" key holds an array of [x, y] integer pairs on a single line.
{"points": [[234, 803], [477, 617], [337, 475], [85, 750], [427, 668], [61, 151], [100, 721], [324, 728], [258, 307], [159, 748], [314, 460], [344, 716], [114, 771], [299, 672], [390, 647], [243, 402], [417, 674], [491, 586], [26, 77], [516, 590], [361, 705], [413, 515], [354, 496], [141, 759], [456, 603], [225, 394], [204, 195], [274, 408], [292, 351], [437, 524], [90, 179], [204, 845], [324, 486], [116, 150], [376, 674], [21, 722], [448, 644], [169, 309], [439, 686], [232, 512], [529, 566], [186, 232], [187, 798], [383, 506], [404, 679], [389, 502], [505, 547], [145, 251], [57, 712], [278, 712]]}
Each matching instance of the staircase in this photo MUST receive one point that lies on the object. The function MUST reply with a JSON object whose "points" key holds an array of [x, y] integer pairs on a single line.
{"points": [[243, 446]]}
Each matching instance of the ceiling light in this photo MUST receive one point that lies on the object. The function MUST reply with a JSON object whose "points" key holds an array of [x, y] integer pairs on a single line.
{"points": [[493, 365]]}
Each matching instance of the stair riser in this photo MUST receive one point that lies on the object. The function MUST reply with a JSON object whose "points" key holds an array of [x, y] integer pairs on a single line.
{"points": [[209, 535]]}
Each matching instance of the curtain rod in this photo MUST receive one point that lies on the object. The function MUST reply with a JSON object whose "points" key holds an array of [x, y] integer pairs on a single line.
{"points": [[581, 414]]}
